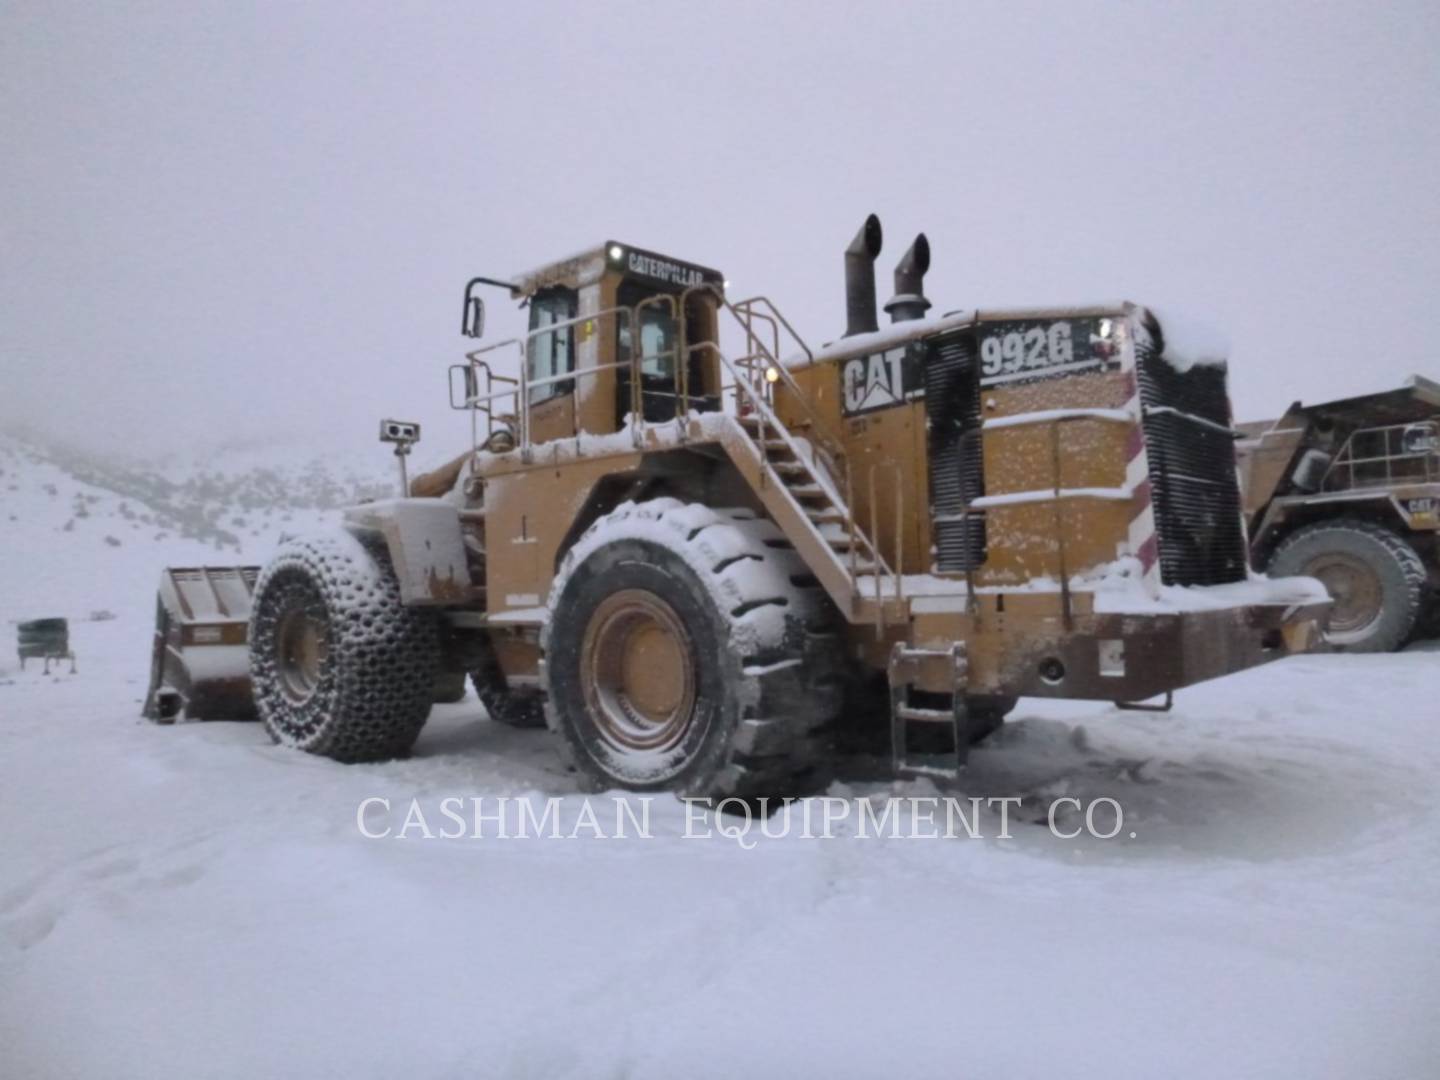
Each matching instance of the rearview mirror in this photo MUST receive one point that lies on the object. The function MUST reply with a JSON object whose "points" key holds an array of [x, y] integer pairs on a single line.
{"points": [[472, 319], [464, 387]]}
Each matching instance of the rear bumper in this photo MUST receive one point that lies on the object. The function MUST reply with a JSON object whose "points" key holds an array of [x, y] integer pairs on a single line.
{"points": [[1134, 657], [1114, 656]]}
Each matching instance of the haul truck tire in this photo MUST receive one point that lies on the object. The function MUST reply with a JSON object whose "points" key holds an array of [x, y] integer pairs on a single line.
{"points": [[689, 649], [340, 667], [1374, 577]]}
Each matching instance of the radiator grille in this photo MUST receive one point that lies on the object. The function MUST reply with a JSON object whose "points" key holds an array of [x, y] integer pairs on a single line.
{"points": [[957, 467], [1194, 487]]}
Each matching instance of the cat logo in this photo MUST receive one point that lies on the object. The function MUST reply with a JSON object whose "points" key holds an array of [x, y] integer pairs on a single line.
{"points": [[873, 382]]}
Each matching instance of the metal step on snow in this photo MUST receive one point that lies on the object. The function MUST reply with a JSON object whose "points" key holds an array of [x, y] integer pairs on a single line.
{"points": [[906, 666]]}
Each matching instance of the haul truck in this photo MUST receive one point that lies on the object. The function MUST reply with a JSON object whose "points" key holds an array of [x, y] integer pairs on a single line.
{"points": [[1349, 492], [686, 559]]}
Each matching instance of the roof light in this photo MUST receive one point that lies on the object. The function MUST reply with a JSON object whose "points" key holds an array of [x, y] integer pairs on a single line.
{"points": [[616, 251], [725, 284], [772, 374]]}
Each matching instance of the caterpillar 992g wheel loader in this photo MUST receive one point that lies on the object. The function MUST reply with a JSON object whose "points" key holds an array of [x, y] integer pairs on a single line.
{"points": [[684, 558]]}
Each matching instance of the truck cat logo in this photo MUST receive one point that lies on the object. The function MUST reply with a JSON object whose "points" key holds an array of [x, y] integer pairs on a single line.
{"points": [[873, 382]]}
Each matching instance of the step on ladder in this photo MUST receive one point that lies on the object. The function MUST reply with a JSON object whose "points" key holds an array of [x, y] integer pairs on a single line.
{"points": [[818, 501], [905, 668]]}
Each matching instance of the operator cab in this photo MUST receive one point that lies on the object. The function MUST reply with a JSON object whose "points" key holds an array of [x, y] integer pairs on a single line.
{"points": [[599, 319]]}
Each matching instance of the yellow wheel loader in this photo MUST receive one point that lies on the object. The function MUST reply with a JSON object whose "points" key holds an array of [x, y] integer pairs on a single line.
{"points": [[688, 555]]}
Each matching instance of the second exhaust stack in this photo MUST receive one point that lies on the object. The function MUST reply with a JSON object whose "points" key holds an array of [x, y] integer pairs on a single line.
{"points": [[860, 256], [909, 300]]}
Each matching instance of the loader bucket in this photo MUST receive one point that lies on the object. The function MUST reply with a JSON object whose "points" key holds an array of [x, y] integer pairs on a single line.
{"points": [[200, 659]]}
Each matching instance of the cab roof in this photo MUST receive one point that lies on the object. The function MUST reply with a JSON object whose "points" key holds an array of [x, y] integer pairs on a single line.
{"points": [[614, 256]]}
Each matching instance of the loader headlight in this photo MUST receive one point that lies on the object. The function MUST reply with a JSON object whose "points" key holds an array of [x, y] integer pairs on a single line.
{"points": [[401, 432], [1105, 339]]}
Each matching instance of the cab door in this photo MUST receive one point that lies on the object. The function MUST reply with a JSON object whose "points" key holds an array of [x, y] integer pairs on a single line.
{"points": [[652, 335], [662, 351], [549, 355]]}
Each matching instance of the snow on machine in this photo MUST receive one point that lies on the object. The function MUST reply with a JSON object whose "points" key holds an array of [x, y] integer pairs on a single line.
{"points": [[687, 558]]}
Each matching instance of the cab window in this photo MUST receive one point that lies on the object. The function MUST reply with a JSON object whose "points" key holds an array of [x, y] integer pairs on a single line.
{"points": [[551, 352], [657, 333]]}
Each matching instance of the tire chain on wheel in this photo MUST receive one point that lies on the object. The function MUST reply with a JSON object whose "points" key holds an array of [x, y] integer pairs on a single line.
{"points": [[791, 676], [374, 690]]}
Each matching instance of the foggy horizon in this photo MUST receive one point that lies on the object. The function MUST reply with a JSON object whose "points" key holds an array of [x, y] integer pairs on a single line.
{"points": [[230, 225]]}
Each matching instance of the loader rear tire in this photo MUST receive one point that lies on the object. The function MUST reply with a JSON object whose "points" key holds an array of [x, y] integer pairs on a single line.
{"points": [[1374, 577], [987, 715], [688, 649], [340, 667], [513, 706]]}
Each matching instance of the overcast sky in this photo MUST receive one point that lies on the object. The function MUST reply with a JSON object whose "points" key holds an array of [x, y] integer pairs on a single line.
{"points": [[254, 221]]}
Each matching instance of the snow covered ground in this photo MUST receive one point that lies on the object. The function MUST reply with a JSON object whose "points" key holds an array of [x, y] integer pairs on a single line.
{"points": [[194, 901]]}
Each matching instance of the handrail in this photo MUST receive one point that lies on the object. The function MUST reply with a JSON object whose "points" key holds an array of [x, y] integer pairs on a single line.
{"points": [[525, 384], [860, 542], [1347, 459], [775, 313], [752, 337], [827, 443], [803, 399], [824, 463], [897, 573], [591, 317], [473, 402]]}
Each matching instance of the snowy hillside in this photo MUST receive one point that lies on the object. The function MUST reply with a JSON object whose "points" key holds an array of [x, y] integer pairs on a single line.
{"points": [[109, 525], [195, 901]]}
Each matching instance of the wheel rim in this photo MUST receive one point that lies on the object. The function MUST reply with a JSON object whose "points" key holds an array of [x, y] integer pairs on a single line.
{"points": [[638, 665], [302, 647], [1355, 590]]}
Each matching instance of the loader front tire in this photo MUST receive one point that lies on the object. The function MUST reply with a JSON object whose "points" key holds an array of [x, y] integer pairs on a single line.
{"points": [[688, 649], [340, 667], [1375, 579]]}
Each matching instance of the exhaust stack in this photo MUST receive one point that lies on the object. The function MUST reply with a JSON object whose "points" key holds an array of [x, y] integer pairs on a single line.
{"points": [[909, 300], [860, 256]]}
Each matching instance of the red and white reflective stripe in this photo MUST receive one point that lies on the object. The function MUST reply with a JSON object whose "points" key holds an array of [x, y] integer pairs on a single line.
{"points": [[1144, 540]]}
